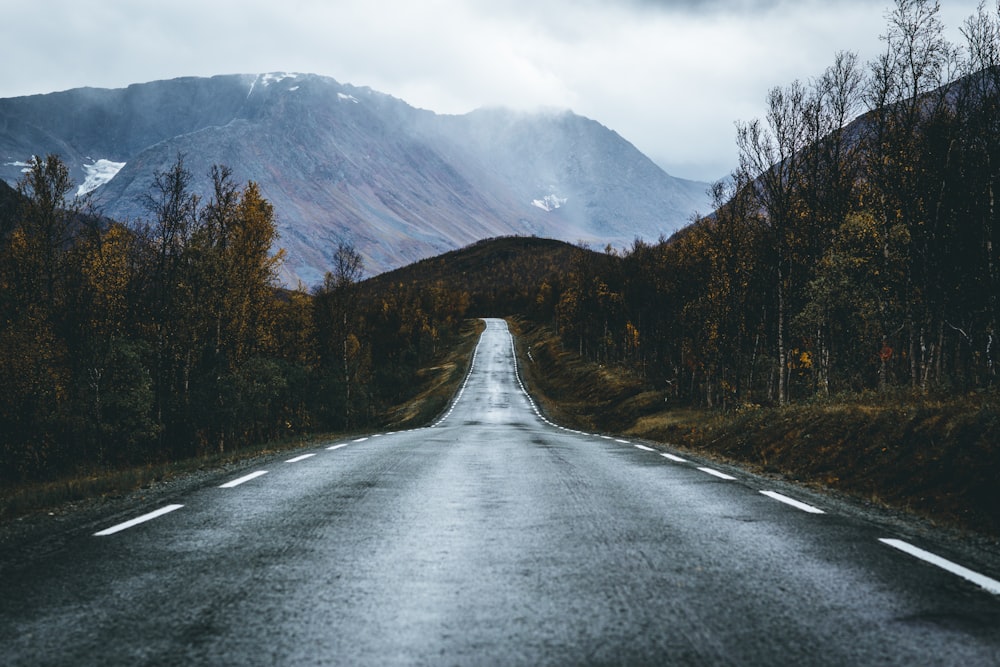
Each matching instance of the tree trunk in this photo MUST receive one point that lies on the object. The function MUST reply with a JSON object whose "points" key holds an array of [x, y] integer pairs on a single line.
{"points": [[782, 352]]}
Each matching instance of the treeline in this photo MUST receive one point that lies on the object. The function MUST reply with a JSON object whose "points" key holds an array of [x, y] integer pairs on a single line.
{"points": [[843, 256], [169, 337]]}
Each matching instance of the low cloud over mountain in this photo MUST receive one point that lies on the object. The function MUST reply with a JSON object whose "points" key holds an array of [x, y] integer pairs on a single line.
{"points": [[342, 163]]}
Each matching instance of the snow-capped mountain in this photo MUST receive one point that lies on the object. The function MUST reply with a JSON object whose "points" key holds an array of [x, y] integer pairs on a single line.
{"points": [[342, 163]]}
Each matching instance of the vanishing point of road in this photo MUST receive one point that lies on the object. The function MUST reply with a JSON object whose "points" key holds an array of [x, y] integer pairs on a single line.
{"points": [[493, 537]]}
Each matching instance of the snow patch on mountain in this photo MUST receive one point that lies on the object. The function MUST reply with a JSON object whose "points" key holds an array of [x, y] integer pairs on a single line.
{"points": [[276, 77], [97, 174], [347, 98], [269, 78]]}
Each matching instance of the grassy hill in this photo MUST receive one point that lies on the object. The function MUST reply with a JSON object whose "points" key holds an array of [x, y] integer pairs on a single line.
{"points": [[501, 275]]}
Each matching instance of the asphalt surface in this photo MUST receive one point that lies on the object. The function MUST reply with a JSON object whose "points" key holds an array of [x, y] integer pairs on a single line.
{"points": [[492, 538]]}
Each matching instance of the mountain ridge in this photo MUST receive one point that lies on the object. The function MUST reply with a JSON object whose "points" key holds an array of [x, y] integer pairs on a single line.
{"points": [[343, 163]]}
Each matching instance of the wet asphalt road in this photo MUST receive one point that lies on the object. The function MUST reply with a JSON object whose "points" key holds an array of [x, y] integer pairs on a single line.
{"points": [[491, 538]]}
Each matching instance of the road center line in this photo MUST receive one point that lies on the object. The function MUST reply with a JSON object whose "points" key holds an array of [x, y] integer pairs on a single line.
{"points": [[794, 503], [136, 521], [644, 448], [673, 458], [330, 449], [720, 475], [300, 458], [991, 585], [241, 480]]}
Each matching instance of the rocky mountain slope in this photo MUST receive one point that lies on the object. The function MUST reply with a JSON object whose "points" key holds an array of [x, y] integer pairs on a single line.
{"points": [[342, 163]]}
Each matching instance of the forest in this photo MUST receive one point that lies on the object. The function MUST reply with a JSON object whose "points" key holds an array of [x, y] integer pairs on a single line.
{"points": [[168, 338], [853, 250]]}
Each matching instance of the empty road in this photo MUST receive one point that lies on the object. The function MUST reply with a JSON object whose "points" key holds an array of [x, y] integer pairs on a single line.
{"points": [[493, 538]]}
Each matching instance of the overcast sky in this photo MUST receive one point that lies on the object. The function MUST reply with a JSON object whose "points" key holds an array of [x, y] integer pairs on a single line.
{"points": [[671, 76]]}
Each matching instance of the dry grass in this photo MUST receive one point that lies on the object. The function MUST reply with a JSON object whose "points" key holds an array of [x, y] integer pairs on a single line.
{"points": [[24, 498], [438, 384]]}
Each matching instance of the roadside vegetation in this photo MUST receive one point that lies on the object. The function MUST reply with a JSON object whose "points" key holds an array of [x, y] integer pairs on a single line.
{"points": [[937, 458], [135, 346], [428, 396]]}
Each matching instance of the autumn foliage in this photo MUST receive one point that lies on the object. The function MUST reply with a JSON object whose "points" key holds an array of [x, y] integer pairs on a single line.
{"points": [[169, 337], [843, 256]]}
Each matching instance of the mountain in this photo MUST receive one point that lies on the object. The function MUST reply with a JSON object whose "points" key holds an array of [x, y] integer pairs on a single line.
{"points": [[343, 163]]}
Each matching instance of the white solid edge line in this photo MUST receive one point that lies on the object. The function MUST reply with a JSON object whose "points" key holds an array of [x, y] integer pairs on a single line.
{"points": [[241, 480], [794, 503], [991, 585], [644, 448], [136, 521], [330, 449], [300, 458], [673, 458], [720, 475]]}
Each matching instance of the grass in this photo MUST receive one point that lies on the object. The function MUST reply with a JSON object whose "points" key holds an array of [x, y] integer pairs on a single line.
{"points": [[439, 383], [30, 497], [936, 457], [436, 385]]}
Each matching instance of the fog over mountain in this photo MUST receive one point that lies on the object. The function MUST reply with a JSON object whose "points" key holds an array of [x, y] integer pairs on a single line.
{"points": [[342, 163]]}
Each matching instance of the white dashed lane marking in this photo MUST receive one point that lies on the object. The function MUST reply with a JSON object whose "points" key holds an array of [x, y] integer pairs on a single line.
{"points": [[330, 449], [991, 585], [673, 458], [716, 473], [300, 458], [794, 503], [136, 521], [241, 480]]}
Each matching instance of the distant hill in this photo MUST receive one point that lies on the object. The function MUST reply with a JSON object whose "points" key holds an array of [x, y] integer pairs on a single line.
{"points": [[342, 163], [502, 276]]}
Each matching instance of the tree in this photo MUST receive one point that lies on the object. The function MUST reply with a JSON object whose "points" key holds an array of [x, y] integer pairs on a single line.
{"points": [[337, 304], [906, 95], [46, 223], [978, 108], [770, 159], [35, 378], [168, 294], [829, 187], [232, 275]]}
